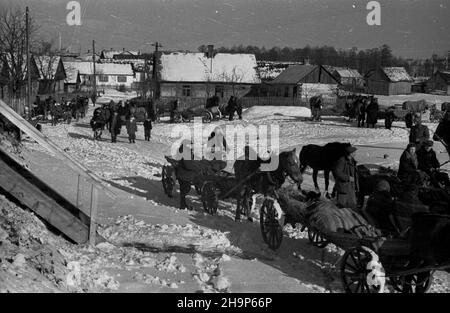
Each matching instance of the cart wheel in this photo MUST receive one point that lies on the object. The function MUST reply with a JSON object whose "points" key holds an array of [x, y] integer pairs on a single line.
{"points": [[209, 198], [415, 283], [354, 271], [316, 239], [270, 227], [207, 117], [167, 182]]}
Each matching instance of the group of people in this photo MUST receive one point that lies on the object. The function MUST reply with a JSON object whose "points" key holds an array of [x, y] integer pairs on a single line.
{"points": [[115, 116], [61, 110], [364, 109]]}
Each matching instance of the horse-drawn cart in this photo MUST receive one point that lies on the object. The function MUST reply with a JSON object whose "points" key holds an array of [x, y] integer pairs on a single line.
{"points": [[368, 260], [211, 182]]}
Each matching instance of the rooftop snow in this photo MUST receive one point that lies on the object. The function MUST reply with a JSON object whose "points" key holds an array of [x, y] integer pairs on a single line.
{"points": [[397, 74], [345, 72], [47, 66], [294, 74], [195, 67]]}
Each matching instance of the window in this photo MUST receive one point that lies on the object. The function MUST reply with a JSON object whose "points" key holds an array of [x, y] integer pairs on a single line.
{"points": [[122, 79], [186, 90], [219, 91], [103, 78], [286, 91]]}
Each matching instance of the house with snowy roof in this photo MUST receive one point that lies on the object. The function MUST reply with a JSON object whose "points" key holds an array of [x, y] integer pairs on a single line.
{"points": [[111, 54], [388, 81], [51, 74], [301, 82], [350, 79], [14, 75], [108, 75], [193, 77]]}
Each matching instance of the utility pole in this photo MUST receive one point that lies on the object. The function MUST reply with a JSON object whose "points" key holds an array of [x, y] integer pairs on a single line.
{"points": [[27, 30], [157, 45], [95, 77]]}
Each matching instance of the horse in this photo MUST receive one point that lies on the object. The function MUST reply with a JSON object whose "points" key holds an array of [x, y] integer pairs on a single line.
{"points": [[265, 183], [321, 158]]}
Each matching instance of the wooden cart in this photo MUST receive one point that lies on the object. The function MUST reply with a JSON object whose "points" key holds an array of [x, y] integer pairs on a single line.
{"points": [[393, 253]]}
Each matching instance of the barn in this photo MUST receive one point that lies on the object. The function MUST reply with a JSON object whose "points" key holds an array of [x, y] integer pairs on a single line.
{"points": [[440, 81], [350, 79], [389, 81], [193, 77], [303, 82], [51, 74]]}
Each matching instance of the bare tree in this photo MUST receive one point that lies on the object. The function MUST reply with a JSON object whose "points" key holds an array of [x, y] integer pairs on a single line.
{"points": [[234, 78], [13, 47], [47, 59]]}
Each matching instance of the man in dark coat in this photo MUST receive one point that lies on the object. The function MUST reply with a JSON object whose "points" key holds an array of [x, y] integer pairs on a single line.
{"points": [[346, 178], [409, 117], [442, 132], [360, 110], [429, 164], [232, 107], [408, 163], [131, 128], [419, 133], [389, 117], [147, 127], [372, 112], [114, 126]]}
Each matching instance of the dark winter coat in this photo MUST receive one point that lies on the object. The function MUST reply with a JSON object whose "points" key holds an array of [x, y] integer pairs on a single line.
{"points": [[427, 160], [418, 134], [372, 113], [346, 177], [131, 126], [406, 205], [408, 166], [148, 124], [409, 120], [389, 118], [115, 124]]}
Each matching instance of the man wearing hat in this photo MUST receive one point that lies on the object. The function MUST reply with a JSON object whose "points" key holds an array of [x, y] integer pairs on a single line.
{"points": [[429, 164], [419, 133], [346, 177]]}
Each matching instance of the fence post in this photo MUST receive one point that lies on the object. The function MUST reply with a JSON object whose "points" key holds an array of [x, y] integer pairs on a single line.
{"points": [[78, 192], [93, 219]]}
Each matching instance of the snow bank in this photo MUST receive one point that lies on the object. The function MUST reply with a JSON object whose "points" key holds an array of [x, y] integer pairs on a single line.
{"points": [[258, 112]]}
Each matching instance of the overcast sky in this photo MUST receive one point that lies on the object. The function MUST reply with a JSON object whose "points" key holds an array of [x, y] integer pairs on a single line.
{"points": [[413, 28]]}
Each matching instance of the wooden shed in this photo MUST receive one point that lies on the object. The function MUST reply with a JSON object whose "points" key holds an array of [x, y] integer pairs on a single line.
{"points": [[389, 81], [440, 81]]}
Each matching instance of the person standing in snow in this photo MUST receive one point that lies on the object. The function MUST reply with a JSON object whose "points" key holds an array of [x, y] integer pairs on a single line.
{"points": [[372, 112], [443, 131], [114, 126], [346, 177], [147, 127], [131, 128], [389, 117]]}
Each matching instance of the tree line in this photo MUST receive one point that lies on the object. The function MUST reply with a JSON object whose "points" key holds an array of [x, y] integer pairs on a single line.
{"points": [[362, 60]]}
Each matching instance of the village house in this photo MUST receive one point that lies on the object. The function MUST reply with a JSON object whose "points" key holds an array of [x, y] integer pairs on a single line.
{"points": [[299, 83], [193, 77], [73, 79], [350, 79], [52, 74], [108, 75], [439, 82], [388, 81], [110, 54]]}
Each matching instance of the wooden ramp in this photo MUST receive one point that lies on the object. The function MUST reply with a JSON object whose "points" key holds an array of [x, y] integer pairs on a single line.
{"points": [[35, 194]]}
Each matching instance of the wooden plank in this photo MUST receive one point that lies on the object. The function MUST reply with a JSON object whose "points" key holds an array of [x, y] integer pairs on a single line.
{"points": [[43, 140], [93, 224], [37, 201]]}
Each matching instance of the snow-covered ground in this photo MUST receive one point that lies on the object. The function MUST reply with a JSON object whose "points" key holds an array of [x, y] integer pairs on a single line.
{"points": [[154, 247]]}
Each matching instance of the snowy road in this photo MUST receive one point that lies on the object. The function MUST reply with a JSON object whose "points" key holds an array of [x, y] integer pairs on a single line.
{"points": [[207, 253]]}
